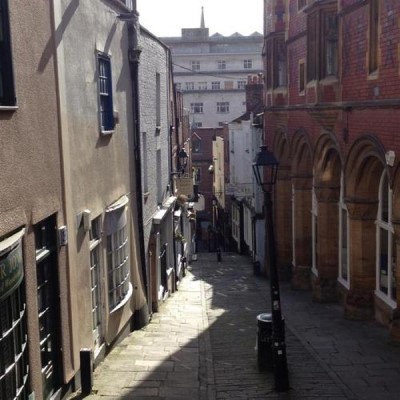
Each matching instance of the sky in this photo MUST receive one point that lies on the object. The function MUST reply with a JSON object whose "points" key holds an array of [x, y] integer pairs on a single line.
{"points": [[168, 17]]}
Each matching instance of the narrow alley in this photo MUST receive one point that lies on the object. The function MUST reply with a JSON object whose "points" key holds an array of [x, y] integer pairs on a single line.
{"points": [[201, 345]]}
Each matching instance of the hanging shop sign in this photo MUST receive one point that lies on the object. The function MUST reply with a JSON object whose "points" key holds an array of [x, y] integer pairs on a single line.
{"points": [[185, 186], [11, 264]]}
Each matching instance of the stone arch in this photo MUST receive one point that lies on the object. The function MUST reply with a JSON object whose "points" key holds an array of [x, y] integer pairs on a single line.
{"points": [[301, 154], [327, 179], [364, 166], [301, 187]]}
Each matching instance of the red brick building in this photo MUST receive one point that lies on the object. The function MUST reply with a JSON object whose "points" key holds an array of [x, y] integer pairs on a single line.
{"points": [[332, 116]]}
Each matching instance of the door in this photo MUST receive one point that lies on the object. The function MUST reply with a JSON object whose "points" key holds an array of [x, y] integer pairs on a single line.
{"points": [[48, 305]]}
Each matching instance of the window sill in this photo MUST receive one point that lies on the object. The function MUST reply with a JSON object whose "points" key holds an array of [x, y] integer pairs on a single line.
{"points": [[344, 283], [391, 303], [328, 80], [9, 108], [107, 133], [373, 76], [124, 301]]}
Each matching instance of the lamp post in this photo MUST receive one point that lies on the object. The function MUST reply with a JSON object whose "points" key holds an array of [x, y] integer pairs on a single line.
{"points": [[265, 168], [182, 160]]}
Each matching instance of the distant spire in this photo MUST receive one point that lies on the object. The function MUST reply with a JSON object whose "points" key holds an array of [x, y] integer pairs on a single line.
{"points": [[202, 25]]}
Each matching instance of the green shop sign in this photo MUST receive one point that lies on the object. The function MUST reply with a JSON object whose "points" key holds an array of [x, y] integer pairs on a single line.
{"points": [[11, 271]]}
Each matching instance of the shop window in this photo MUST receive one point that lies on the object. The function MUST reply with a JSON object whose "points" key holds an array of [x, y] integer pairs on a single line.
{"points": [[373, 35], [385, 246], [14, 363], [105, 93], [48, 298], [344, 254], [7, 93], [118, 268], [322, 44]]}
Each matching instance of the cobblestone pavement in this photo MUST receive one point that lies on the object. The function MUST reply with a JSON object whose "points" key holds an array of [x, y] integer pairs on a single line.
{"points": [[201, 345]]}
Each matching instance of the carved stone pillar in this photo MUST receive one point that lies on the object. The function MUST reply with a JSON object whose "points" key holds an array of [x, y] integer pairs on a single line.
{"points": [[359, 300], [283, 222], [324, 285], [302, 233]]}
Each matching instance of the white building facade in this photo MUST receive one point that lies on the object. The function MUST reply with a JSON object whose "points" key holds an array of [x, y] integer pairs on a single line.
{"points": [[212, 72]]}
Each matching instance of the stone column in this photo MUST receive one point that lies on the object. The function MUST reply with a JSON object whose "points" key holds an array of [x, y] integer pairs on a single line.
{"points": [[302, 234], [359, 300], [283, 220], [324, 285]]}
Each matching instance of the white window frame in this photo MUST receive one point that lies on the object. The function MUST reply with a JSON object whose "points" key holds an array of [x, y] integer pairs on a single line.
{"points": [[96, 271], [195, 65], [385, 226], [118, 267], [196, 108], [314, 225], [216, 85], [223, 107], [343, 212], [202, 85], [343, 216], [248, 64], [293, 226], [221, 64], [241, 84], [189, 86]]}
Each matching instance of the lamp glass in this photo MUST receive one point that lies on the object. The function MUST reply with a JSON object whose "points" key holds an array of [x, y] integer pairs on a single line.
{"points": [[265, 168]]}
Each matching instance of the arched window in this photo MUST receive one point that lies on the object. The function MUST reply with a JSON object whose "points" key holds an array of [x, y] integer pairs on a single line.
{"points": [[385, 246], [344, 254]]}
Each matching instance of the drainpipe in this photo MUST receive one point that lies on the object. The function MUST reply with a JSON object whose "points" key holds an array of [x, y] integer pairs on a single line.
{"points": [[141, 317]]}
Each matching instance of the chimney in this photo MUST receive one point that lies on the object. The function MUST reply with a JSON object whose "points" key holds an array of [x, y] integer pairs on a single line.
{"points": [[254, 94]]}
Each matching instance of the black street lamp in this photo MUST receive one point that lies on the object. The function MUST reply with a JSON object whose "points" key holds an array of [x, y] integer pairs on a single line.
{"points": [[265, 168], [182, 160]]}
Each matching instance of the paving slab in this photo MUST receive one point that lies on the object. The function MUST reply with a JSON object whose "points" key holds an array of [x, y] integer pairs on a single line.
{"points": [[201, 345]]}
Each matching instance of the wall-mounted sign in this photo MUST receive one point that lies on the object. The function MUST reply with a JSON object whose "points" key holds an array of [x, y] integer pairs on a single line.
{"points": [[11, 268], [185, 186]]}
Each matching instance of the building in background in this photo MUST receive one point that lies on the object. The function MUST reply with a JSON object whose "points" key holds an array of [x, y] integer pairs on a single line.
{"points": [[245, 138], [203, 166], [212, 72], [164, 131]]}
